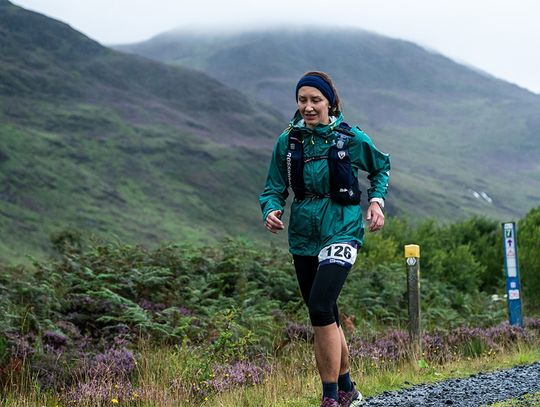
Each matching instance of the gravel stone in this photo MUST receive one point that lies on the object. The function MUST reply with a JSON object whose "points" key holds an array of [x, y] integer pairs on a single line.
{"points": [[477, 390]]}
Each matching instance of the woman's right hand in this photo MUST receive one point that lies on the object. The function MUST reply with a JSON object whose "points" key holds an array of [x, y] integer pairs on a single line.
{"points": [[273, 223]]}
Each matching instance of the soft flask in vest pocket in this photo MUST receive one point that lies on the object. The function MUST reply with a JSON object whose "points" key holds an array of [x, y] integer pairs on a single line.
{"points": [[344, 187]]}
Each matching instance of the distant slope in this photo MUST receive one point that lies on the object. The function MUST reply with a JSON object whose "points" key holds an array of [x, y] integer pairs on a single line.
{"points": [[458, 138], [120, 145]]}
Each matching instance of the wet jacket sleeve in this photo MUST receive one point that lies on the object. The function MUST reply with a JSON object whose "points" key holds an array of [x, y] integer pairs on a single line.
{"points": [[368, 158], [275, 190]]}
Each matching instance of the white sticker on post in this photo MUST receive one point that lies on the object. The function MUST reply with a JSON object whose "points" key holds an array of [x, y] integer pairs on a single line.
{"points": [[511, 262], [513, 294]]}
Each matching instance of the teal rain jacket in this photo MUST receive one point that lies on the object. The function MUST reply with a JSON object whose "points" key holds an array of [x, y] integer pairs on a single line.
{"points": [[316, 223]]}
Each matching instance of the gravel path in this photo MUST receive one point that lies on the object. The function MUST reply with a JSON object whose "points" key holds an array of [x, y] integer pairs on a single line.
{"points": [[477, 390]]}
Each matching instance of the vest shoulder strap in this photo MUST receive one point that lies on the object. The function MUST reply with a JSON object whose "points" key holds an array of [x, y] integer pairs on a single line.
{"points": [[295, 163], [344, 128]]}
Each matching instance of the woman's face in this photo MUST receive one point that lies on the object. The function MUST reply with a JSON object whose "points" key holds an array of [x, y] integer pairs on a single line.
{"points": [[313, 106]]}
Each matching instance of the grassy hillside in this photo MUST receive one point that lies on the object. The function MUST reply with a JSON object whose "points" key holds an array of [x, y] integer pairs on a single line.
{"points": [[452, 131], [119, 145]]}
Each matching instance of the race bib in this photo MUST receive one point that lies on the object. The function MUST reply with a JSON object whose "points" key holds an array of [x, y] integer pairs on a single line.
{"points": [[343, 254]]}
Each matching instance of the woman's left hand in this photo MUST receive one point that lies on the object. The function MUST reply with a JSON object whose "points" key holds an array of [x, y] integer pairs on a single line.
{"points": [[375, 217]]}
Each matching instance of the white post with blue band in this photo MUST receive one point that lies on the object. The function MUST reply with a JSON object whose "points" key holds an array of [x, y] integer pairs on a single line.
{"points": [[511, 271]]}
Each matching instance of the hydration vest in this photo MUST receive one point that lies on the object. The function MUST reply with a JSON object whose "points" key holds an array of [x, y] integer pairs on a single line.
{"points": [[344, 187]]}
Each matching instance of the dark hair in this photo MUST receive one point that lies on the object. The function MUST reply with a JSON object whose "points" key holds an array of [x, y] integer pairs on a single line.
{"points": [[335, 109]]}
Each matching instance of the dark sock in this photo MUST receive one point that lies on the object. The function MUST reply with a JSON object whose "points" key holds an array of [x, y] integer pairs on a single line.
{"points": [[344, 382], [330, 390]]}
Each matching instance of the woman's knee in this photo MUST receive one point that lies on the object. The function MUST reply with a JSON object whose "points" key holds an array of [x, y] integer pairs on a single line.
{"points": [[321, 314]]}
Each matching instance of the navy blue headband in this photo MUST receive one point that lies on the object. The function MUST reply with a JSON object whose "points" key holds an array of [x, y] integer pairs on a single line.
{"points": [[319, 83]]}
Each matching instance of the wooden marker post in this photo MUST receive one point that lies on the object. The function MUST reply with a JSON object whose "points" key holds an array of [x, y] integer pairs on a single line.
{"points": [[412, 256]]}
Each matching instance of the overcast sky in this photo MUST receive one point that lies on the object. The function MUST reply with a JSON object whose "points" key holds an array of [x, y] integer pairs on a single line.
{"points": [[501, 37]]}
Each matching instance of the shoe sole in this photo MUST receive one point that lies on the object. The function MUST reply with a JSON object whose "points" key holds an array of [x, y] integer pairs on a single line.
{"points": [[356, 403]]}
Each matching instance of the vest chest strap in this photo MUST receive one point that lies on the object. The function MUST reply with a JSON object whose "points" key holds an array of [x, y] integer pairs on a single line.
{"points": [[315, 158]]}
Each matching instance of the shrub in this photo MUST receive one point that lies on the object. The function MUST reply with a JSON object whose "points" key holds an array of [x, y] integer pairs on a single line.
{"points": [[529, 257]]}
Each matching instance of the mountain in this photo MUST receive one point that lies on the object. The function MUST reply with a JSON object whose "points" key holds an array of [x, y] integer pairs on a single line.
{"points": [[102, 141], [462, 142], [118, 145]]}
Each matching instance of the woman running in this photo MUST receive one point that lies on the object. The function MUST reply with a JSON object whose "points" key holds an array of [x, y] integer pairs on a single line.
{"points": [[318, 156]]}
